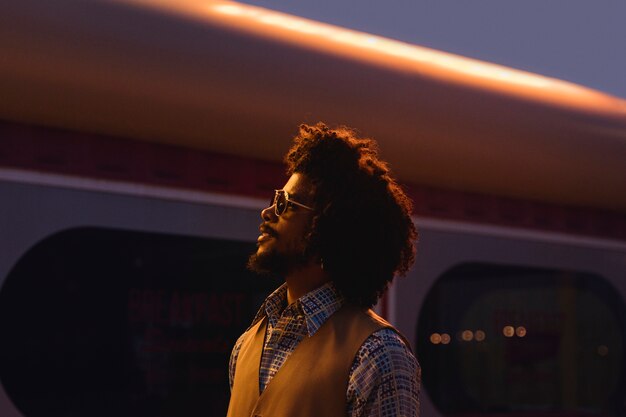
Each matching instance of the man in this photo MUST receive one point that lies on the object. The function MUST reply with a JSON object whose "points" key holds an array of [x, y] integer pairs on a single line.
{"points": [[338, 232]]}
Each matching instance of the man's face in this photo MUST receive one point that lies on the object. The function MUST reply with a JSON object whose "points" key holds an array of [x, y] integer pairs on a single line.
{"points": [[281, 246]]}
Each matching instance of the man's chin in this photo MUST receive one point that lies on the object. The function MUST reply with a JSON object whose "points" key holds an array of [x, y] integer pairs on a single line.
{"points": [[269, 262], [263, 263]]}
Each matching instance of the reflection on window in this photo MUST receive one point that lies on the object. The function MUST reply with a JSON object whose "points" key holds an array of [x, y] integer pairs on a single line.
{"points": [[503, 339], [99, 322]]}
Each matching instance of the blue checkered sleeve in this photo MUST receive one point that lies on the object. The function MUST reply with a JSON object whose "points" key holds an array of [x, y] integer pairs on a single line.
{"points": [[384, 378]]}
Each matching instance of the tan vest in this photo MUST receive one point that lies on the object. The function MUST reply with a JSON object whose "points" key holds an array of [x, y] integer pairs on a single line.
{"points": [[313, 380]]}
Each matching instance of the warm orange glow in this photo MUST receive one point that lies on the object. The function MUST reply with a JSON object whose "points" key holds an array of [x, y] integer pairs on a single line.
{"points": [[467, 335], [508, 331], [445, 338], [379, 44], [520, 331], [380, 51], [435, 338], [479, 335]]}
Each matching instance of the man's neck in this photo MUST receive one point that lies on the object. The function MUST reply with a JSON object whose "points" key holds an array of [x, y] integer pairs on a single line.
{"points": [[305, 280]]}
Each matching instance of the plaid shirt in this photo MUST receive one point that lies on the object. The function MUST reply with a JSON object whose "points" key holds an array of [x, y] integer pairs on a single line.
{"points": [[384, 377]]}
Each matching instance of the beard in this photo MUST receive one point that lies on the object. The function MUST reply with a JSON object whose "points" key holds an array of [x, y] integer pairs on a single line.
{"points": [[276, 264]]}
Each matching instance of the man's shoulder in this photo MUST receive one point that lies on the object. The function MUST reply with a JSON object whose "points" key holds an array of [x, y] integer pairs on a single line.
{"points": [[387, 341], [385, 335]]}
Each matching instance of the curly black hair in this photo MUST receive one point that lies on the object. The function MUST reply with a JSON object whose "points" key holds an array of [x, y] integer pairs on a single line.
{"points": [[362, 230]]}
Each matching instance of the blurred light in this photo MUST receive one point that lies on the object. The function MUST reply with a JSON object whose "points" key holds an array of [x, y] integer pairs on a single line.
{"points": [[479, 335], [435, 338], [520, 331], [508, 331], [382, 45], [230, 9], [445, 338], [603, 350], [467, 335]]}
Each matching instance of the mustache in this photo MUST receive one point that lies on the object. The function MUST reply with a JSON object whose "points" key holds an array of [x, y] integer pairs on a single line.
{"points": [[264, 228]]}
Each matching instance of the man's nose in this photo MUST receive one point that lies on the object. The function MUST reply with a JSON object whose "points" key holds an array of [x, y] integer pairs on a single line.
{"points": [[268, 214]]}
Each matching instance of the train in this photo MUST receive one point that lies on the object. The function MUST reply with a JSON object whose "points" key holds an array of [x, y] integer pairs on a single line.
{"points": [[139, 141]]}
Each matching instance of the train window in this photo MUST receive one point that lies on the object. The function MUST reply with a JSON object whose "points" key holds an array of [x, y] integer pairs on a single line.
{"points": [[505, 339], [98, 322]]}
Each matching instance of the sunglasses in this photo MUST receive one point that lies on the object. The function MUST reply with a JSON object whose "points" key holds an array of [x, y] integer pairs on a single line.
{"points": [[281, 202]]}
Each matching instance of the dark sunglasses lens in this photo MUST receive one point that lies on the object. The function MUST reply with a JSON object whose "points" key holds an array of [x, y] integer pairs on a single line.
{"points": [[281, 203]]}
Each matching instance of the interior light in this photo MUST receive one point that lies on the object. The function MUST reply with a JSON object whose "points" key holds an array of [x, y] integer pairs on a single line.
{"points": [[508, 331], [467, 335]]}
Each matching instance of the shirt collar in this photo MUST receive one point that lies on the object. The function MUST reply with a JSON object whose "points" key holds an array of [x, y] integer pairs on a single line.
{"points": [[316, 306], [274, 305]]}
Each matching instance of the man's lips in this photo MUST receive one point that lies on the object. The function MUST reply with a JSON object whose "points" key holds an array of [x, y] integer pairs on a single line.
{"points": [[263, 237], [266, 233]]}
